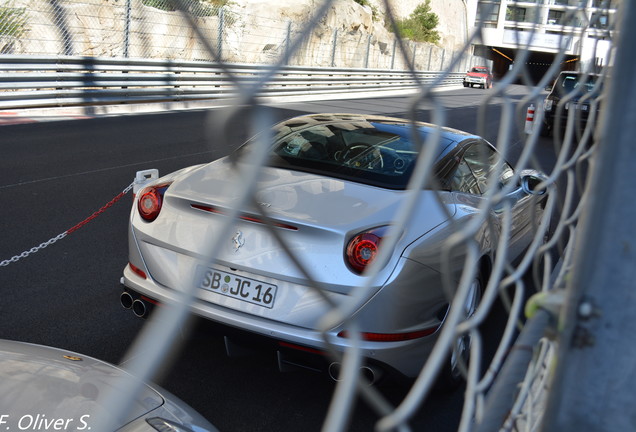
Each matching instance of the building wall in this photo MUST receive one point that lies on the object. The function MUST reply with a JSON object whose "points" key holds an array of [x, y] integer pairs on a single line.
{"points": [[579, 28]]}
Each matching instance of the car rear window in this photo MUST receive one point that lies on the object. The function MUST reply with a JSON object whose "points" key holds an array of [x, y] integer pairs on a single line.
{"points": [[375, 153], [568, 83]]}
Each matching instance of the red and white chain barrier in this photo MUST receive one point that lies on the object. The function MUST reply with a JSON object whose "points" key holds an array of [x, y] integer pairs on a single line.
{"points": [[41, 246]]}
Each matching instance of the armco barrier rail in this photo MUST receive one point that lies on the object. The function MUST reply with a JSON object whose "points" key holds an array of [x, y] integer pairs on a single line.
{"points": [[62, 81]]}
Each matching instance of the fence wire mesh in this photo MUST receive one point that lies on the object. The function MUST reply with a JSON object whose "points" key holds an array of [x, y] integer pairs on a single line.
{"points": [[228, 33], [199, 30]]}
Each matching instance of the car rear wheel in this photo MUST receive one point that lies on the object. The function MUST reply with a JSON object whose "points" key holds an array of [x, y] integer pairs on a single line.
{"points": [[451, 374]]}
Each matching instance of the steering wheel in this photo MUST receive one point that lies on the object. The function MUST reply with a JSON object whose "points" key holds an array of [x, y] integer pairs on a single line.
{"points": [[361, 155]]}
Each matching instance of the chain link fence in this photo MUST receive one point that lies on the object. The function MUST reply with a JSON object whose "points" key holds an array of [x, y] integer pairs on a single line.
{"points": [[155, 29], [196, 30]]}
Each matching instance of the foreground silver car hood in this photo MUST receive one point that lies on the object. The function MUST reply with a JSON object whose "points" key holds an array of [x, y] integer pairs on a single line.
{"points": [[41, 385]]}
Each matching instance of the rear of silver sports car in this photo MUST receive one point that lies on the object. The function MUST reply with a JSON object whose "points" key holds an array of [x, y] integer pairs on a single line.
{"points": [[182, 234]]}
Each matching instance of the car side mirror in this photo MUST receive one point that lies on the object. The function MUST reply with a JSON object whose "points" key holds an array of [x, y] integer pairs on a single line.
{"points": [[531, 184]]}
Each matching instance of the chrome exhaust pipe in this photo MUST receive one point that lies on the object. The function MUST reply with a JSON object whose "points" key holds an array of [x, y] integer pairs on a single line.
{"points": [[370, 373], [126, 300], [139, 308], [334, 371]]}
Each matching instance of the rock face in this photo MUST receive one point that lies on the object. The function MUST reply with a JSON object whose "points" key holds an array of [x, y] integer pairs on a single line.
{"points": [[245, 31], [348, 34], [453, 26]]}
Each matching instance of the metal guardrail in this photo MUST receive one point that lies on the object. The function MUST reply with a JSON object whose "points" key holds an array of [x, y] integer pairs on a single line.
{"points": [[63, 81]]}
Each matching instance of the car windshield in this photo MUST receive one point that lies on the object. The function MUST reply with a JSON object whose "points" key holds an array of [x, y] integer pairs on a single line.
{"points": [[479, 70], [365, 151]]}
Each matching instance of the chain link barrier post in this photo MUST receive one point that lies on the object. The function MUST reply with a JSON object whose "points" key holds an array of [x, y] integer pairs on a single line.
{"points": [[71, 230]]}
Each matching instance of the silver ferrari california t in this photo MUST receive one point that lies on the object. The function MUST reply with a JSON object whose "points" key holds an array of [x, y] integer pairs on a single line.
{"points": [[50, 389], [323, 202]]}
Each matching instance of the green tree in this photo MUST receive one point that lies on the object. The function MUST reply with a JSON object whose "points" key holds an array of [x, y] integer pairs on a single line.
{"points": [[12, 21], [420, 25]]}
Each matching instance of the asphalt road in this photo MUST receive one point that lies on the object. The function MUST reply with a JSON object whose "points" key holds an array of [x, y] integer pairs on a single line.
{"points": [[54, 175]]}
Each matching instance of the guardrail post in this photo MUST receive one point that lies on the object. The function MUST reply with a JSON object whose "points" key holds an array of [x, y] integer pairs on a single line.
{"points": [[441, 66], [430, 56]]}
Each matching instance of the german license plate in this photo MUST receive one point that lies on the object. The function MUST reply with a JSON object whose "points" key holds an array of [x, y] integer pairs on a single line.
{"points": [[239, 287], [576, 106]]}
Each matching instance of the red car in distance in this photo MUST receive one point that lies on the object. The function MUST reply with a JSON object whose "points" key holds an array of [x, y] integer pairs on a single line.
{"points": [[478, 75]]}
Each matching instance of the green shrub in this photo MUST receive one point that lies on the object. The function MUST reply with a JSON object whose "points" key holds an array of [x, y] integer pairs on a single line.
{"points": [[12, 21], [200, 8], [420, 25], [164, 5]]}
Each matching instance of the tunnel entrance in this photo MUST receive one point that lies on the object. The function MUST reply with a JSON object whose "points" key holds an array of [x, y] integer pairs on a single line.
{"points": [[537, 62]]}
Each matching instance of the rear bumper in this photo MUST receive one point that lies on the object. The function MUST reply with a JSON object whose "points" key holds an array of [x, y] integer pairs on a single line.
{"points": [[404, 358], [550, 120], [475, 80]]}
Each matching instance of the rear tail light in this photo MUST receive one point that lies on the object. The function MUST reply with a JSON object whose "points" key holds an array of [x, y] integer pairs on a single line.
{"points": [[139, 272], [393, 337], [363, 248], [150, 201], [244, 217]]}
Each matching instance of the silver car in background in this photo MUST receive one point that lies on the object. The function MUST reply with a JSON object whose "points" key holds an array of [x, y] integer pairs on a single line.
{"points": [[45, 388], [330, 189]]}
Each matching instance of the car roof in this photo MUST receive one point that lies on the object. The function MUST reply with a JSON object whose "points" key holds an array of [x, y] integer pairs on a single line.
{"points": [[578, 73]]}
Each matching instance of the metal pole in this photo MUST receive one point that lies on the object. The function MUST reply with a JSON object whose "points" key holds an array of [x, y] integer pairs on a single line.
{"points": [[430, 56], [287, 41], [594, 384], [441, 66], [414, 54], [393, 54], [366, 60], [219, 39], [333, 48], [127, 28]]}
